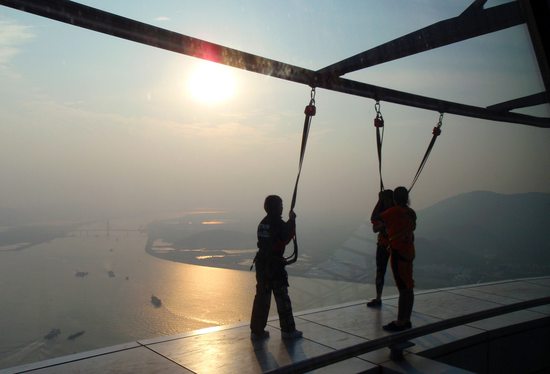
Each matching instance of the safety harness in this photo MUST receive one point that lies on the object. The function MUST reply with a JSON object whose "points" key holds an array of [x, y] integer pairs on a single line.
{"points": [[379, 125], [435, 133], [309, 111]]}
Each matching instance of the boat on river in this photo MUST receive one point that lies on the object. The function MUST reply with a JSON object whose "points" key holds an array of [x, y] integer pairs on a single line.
{"points": [[156, 301]]}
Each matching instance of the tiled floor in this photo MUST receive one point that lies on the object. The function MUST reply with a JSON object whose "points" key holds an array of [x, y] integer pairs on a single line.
{"points": [[230, 350]]}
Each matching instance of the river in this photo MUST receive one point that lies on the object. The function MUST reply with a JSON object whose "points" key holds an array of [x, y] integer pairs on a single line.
{"points": [[101, 284]]}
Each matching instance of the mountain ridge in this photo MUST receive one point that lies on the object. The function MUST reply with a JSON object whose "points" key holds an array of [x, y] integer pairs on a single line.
{"points": [[489, 235], [479, 236]]}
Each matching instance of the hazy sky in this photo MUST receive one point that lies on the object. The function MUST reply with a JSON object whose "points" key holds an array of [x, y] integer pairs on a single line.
{"points": [[93, 126]]}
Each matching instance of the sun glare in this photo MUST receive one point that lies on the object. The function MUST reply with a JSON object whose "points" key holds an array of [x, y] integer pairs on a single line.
{"points": [[211, 83], [213, 222]]}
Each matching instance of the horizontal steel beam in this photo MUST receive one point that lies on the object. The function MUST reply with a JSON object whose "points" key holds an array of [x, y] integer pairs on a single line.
{"points": [[417, 101], [77, 14], [473, 22], [522, 102], [94, 19]]}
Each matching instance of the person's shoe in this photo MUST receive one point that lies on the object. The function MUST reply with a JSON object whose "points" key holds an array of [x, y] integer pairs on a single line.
{"points": [[395, 327], [296, 334], [259, 335], [374, 303]]}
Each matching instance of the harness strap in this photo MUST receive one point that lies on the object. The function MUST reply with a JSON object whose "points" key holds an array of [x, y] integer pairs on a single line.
{"points": [[379, 123], [436, 132], [309, 111]]}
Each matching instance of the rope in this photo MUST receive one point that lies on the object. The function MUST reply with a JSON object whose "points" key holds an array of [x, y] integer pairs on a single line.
{"points": [[309, 111], [436, 132], [379, 123]]}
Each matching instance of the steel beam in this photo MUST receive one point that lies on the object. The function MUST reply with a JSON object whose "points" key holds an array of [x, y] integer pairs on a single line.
{"points": [[537, 14], [77, 14], [522, 102], [473, 22], [94, 19], [398, 97]]}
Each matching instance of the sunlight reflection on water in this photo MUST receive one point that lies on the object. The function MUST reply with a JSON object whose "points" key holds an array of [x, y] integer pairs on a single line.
{"points": [[112, 303]]}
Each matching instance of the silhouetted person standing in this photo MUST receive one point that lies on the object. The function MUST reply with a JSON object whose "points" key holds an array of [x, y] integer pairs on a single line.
{"points": [[385, 201], [400, 222], [271, 277]]}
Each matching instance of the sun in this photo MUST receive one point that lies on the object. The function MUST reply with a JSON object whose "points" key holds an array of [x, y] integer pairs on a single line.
{"points": [[211, 83]]}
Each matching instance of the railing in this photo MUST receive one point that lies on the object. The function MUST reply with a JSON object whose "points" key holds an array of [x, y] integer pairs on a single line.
{"points": [[402, 337]]}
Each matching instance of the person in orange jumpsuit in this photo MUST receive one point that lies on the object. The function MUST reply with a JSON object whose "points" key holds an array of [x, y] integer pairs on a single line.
{"points": [[400, 222], [385, 201]]}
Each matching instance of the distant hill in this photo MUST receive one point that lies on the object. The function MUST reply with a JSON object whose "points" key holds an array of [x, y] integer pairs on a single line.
{"points": [[481, 236], [473, 237]]}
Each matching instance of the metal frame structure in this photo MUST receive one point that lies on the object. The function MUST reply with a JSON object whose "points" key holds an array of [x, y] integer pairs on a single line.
{"points": [[473, 22]]}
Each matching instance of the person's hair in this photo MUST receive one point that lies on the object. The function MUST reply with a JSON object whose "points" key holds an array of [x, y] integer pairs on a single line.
{"points": [[272, 203], [386, 194], [401, 196], [386, 199]]}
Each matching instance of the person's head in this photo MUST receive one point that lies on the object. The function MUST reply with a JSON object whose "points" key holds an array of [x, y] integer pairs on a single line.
{"points": [[401, 196], [386, 197], [273, 205]]}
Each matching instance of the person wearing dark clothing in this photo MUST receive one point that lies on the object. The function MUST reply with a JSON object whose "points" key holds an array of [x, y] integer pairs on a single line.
{"points": [[385, 201], [400, 222], [271, 277]]}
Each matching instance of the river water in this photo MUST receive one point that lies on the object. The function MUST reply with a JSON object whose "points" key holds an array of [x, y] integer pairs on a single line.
{"points": [[102, 284]]}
